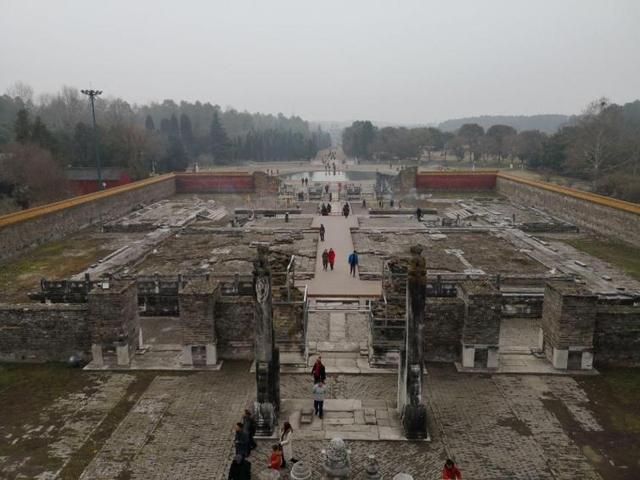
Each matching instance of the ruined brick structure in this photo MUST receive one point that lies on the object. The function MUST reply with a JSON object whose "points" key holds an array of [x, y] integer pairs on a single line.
{"points": [[481, 329], [568, 323], [114, 321]]}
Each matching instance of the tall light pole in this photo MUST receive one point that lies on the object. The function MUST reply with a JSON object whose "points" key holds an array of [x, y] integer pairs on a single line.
{"points": [[92, 94]]}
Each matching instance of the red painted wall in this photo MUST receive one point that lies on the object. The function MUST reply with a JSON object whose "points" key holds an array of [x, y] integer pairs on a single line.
{"points": [[82, 187], [456, 181], [214, 183]]}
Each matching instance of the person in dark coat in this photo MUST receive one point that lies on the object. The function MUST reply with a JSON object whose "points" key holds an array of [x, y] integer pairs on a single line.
{"points": [[318, 371], [240, 469], [322, 230], [325, 260], [241, 441], [249, 428]]}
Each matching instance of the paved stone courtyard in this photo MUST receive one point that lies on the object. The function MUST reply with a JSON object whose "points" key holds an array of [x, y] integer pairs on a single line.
{"points": [[180, 426]]}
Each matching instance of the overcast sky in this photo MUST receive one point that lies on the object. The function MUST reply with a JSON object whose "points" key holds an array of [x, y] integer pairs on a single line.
{"points": [[398, 61]]}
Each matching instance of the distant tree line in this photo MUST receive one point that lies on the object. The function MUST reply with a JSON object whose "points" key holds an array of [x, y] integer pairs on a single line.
{"points": [[160, 137], [600, 146]]}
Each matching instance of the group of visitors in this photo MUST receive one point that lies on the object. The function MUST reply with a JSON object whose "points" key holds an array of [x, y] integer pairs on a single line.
{"points": [[328, 259], [305, 182], [281, 453], [325, 209], [244, 441]]}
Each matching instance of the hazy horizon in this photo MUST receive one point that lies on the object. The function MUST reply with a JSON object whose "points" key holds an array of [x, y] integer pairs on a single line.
{"points": [[417, 63]]}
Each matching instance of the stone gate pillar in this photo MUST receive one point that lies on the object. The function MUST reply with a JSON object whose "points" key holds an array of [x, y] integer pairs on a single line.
{"points": [[114, 322], [267, 404], [411, 365], [568, 322], [481, 330], [197, 322]]}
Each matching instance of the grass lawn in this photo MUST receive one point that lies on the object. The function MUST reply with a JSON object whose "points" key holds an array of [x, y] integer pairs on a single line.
{"points": [[621, 255], [618, 394], [56, 260]]}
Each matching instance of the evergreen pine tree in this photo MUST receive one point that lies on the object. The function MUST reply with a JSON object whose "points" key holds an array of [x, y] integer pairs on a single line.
{"points": [[22, 127], [41, 135], [148, 123], [174, 128], [186, 133], [218, 140]]}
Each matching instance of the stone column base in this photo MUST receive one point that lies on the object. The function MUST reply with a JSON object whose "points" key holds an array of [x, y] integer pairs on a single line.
{"points": [[212, 354], [122, 355], [560, 358], [187, 355], [96, 354]]}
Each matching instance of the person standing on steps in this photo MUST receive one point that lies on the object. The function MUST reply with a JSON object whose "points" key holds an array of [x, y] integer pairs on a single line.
{"points": [[319, 392], [318, 371], [325, 260], [322, 232], [332, 258], [353, 263]]}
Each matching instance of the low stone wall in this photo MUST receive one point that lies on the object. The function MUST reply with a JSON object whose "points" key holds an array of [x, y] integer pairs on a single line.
{"points": [[616, 338], [41, 333], [235, 327], [215, 182], [600, 214], [475, 181], [29, 228], [443, 322]]}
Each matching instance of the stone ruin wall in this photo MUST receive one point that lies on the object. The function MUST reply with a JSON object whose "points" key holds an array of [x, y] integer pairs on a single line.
{"points": [[616, 336], [603, 215], [23, 230], [43, 333], [235, 327]]}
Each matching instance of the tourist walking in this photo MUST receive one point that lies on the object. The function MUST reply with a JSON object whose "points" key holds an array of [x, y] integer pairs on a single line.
{"points": [[332, 258], [319, 392], [364, 203], [325, 260], [275, 462], [322, 232], [318, 371], [286, 444], [450, 471], [241, 441], [249, 428], [345, 210], [419, 213], [353, 263], [240, 469]]}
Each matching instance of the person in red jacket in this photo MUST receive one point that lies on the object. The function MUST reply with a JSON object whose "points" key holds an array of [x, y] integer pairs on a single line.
{"points": [[275, 462], [332, 257], [450, 471]]}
